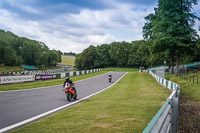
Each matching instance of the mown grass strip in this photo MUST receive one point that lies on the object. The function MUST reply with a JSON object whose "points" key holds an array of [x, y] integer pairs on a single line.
{"points": [[44, 83], [128, 106], [188, 89], [120, 69], [68, 60], [10, 69]]}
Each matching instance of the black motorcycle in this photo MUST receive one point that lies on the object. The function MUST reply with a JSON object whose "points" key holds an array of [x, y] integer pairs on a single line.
{"points": [[109, 78]]}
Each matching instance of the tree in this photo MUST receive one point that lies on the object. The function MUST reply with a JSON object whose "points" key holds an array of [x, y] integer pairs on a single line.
{"points": [[119, 52], [103, 58], [53, 57], [10, 57], [89, 55], [79, 61], [170, 29]]}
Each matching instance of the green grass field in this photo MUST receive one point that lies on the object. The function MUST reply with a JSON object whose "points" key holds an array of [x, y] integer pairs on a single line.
{"points": [[10, 69], [189, 105], [68, 60], [188, 89], [19, 69], [128, 106], [44, 83]]}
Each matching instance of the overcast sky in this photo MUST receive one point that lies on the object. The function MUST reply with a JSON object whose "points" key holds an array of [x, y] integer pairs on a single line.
{"points": [[73, 25]]}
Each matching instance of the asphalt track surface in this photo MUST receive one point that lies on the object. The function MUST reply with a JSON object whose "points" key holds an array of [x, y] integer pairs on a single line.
{"points": [[17, 106]]}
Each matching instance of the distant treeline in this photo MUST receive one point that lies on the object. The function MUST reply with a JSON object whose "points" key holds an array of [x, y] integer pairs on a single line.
{"points": [[15, 51], [69, 54], [125, 54], [118, 54]]}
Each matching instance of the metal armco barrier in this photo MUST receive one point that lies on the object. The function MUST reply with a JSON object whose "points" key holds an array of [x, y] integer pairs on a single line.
{"points": [[166, 119]]}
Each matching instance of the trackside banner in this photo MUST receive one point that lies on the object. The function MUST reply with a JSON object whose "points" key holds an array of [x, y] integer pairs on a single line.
{"points": [[45, 76], [16, 79]]}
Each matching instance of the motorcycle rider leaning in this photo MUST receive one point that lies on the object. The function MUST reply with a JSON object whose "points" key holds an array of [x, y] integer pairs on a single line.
{"points": [[109, 75], [70, 83]]}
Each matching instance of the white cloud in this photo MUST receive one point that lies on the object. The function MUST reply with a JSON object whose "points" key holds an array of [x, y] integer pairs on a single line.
{"points": [[98, 39], [75, 32]]}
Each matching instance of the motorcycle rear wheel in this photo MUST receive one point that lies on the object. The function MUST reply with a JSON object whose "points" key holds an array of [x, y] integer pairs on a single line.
{"points": [[69, 96], [75, 96]]}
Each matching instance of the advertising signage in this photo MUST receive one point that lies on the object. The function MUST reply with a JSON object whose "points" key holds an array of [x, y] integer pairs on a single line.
{"points": [[16, 79], [45, 77]]}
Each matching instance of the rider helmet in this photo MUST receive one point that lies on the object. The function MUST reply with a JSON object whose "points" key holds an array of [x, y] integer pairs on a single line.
{"points": [[67, 78]]}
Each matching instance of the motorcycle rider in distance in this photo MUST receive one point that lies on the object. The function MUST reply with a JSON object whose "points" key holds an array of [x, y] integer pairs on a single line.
{"points": [[70, 83], [109, 77]]}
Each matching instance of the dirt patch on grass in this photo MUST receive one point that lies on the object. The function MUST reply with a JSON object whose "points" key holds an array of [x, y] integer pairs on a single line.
{"points": [[104, 125], [103, 115], [189, 116]]}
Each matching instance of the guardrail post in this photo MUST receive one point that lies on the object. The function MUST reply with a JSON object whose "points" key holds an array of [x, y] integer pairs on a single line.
{"points": [[178, 91], [175, 113]]}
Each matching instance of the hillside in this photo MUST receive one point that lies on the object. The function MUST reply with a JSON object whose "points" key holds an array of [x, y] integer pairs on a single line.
{"points": [[68, 60], [16, 51]]}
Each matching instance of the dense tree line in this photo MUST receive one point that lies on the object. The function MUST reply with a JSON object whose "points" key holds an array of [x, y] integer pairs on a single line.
{"points": [[119, 54], [70, 54], [124, 54], [15, 51]]}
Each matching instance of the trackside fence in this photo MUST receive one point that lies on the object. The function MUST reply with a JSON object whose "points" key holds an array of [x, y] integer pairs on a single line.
{"points": [[166, 119], [29, 78]]}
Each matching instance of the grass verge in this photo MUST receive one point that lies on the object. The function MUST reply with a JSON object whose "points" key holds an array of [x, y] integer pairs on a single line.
{"points": [[10, 69], [188, 89], [44, 83], [189, 105], [128, 106]]}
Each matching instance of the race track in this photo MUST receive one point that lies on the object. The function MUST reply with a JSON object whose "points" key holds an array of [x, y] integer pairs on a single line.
{"points": [[17, 106]]}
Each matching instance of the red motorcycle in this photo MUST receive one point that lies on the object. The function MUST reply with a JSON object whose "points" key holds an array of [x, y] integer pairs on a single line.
{"points": [[70, 92]]}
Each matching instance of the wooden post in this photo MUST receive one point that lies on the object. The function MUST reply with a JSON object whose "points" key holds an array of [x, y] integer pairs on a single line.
{"points": [[193, 79]]}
